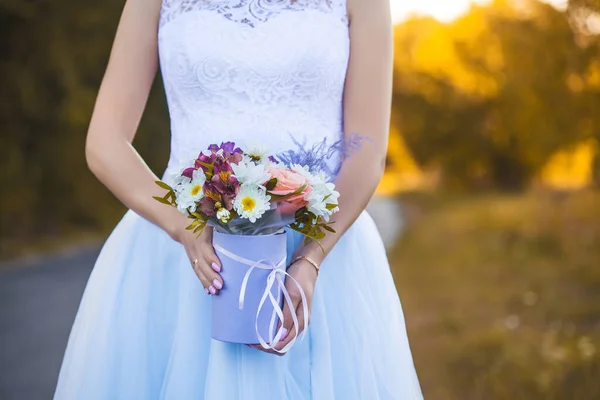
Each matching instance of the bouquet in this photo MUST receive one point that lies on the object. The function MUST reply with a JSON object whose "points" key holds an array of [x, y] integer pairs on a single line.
{"points": [[249, 196]]}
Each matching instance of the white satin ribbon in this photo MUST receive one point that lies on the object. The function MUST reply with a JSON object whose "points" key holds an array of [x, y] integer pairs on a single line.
{"points": [[277, 275]]}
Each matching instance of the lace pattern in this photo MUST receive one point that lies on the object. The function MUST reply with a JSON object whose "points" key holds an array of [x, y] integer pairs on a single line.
{"points": [[249, 12], [280, 84]]}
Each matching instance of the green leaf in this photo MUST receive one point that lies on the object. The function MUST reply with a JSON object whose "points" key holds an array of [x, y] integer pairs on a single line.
{"points": [[330, 206], [283, 197], [161, 200], [271, 184], [328, 228], [209, 167], [164, 185]]}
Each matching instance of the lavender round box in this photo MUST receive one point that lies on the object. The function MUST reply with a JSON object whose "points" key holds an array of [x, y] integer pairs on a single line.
{"points": [[229, 322]]}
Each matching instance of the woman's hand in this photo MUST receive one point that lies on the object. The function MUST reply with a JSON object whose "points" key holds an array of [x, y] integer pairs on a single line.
{"points": [[202, 257], [306, 275]]}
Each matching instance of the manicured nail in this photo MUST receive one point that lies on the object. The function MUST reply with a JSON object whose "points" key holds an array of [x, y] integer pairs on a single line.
{"points": [[212, 290], [284, 333], [218, 284], [206, 290], [216, 267]]}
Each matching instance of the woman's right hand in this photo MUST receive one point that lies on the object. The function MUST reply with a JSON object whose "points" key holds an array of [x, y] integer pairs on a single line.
{"points": [[202, 257]]}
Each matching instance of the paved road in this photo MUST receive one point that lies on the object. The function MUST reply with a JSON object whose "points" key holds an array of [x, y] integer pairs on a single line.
{"points": [[38, 301]]}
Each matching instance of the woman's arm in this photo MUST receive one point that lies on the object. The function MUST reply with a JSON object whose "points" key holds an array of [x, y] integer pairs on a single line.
{"points": [[109, 151], [121, 101], [367, 104]]}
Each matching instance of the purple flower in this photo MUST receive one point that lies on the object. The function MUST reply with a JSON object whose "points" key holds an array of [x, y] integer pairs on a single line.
{"points": [[228, 201], [213, 147], [223, 169], [207, 206], [202, 158], [223, 180], [235, 158], [228, 147], [188, 172]]}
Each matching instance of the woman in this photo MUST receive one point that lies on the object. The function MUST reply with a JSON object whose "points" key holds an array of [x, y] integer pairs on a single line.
{"points": [[293, 74]]}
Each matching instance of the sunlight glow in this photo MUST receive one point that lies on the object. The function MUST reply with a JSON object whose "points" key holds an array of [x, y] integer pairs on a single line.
{"points": [[442, 10]]}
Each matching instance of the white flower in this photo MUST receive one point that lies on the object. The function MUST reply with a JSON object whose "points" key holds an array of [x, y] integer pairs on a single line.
{"points": [[323, 200], [178, 178], [302, 170], [223, 215], [250, 173], [258, 153], [189, 191], [251, 202], [313, 179]]}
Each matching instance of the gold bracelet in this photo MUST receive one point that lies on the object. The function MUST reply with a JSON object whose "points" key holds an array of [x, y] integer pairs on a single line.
{"points": [[308, 259]]}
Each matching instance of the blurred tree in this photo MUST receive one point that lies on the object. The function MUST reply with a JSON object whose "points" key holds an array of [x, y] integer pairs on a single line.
{"points": [[585, 16], [53, 57], [490, 97]]}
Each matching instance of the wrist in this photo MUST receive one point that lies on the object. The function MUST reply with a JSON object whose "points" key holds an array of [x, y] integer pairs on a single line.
{"points": [[310, 263], [175, 225], [314, 253]]}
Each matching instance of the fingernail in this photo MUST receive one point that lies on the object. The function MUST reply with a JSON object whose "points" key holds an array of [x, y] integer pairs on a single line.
{"points": [[212, 290], [284, 333], [218, 284], [206, 290], [216, 267]]}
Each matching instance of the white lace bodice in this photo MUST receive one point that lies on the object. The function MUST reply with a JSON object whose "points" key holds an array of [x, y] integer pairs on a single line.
{"points": [[254, 71]]}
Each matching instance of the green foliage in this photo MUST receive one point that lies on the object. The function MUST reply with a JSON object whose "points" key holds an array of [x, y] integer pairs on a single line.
{"points": [[502, 294], [310, 226]]}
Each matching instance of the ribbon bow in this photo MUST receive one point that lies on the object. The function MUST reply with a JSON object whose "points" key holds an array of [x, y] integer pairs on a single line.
{"points": [[277, 275]]}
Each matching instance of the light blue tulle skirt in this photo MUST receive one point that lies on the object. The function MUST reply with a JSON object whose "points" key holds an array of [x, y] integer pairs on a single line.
{"points": [[143, 329]]}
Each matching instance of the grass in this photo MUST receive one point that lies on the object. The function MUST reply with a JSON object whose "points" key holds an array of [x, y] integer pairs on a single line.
{"points": [[502, 294]]}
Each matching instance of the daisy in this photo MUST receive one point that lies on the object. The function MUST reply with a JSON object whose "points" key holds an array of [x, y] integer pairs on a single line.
{"points": [[189, 191], [251, 173], [251, 202], [302, 170], [258, 153], [323, 200], [318, 178], [223, 215]]}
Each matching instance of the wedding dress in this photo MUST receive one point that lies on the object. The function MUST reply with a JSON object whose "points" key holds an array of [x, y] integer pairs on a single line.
{"points": [[251, 71]]}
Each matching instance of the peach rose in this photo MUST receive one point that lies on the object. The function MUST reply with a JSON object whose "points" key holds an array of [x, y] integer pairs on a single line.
{"points": [[288, 182]]}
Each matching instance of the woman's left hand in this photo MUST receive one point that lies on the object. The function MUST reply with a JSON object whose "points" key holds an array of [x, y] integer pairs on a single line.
{"points": [[306, 275]]}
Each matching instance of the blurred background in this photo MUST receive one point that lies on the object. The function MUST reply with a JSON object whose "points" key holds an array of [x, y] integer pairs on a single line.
{"points": [[490, 206]]}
